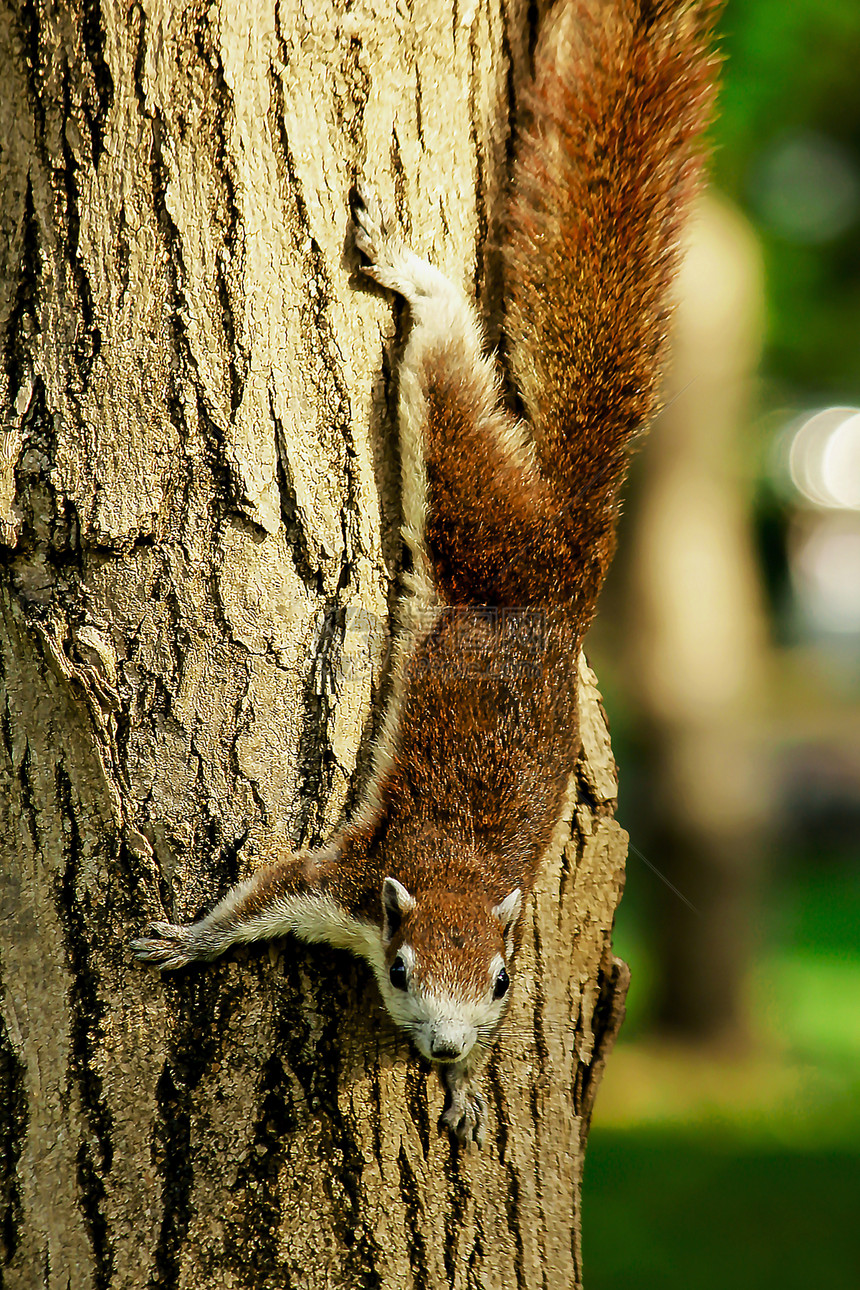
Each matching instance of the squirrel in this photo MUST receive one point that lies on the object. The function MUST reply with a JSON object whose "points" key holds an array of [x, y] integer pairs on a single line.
{"points": [[509, 521]]}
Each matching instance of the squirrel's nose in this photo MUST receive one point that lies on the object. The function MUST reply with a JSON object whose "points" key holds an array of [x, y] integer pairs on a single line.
{"points": [[445, 1052]]}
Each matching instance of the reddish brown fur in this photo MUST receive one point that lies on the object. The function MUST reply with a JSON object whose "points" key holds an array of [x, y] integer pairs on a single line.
{"points": [[298, 874], [488, 733], [605, 165], [605, 168], [457, 937], [599, 188]]}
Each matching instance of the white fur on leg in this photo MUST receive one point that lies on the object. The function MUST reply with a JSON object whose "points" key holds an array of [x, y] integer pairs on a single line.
{"points": [[312, 916]]}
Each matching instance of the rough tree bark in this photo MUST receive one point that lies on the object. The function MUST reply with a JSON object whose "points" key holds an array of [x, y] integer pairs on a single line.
{"points": [[199, 525]]}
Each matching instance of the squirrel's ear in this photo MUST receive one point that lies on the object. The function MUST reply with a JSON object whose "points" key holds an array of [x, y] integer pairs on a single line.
{"points": [[507, 913], [396, 902]]}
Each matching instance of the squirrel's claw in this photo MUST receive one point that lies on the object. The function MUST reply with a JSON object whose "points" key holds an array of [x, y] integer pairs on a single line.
{"points": [[389, 261], [465, 1116], [369, 227], [167, 946]]}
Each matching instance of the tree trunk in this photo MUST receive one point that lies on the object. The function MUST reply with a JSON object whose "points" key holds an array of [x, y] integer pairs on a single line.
{"points": [[694, 639], [198, 506]]}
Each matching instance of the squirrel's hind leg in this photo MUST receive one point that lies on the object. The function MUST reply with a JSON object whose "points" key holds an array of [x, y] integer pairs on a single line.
{"points": [[475, 508], [388, 260]]}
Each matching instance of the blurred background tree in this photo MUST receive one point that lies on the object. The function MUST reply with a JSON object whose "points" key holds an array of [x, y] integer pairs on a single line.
{"points": [[729, 652]]}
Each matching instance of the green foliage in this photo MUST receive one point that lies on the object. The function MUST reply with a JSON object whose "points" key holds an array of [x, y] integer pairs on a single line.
{"points": [[681, 1211], [790, 65], [791, 72]]}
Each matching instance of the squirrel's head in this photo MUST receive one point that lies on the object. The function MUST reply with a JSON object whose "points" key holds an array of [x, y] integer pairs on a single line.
{"points": [[444, 978]]}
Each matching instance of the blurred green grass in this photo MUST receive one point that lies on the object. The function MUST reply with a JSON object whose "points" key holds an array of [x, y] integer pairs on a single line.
{"points": [[742, 1170], [673, 1209]]}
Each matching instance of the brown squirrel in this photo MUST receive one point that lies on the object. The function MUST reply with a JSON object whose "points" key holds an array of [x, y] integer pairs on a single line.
{"points": [[510, 526]]}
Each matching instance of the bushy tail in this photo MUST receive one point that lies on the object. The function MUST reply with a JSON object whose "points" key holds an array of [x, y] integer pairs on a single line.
{"points": [[607, 161]]}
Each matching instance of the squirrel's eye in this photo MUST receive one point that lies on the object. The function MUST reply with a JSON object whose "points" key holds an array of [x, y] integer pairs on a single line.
{"points": [[397, 974], [500, 989]]}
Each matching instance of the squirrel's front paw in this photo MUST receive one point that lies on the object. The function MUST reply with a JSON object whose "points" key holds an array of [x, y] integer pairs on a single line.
{"points": [[464, 1115], [168, 945]]}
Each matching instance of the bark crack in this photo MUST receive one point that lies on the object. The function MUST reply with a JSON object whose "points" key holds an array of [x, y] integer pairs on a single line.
{"points": [[95, 40], [515, 1225], [87, 342], [477, 139], [410, 1196], [459, 1196], [316, 761], [220, 109], [13, 1132], [609, 1012], [87, 1012], [416, 1101]]}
